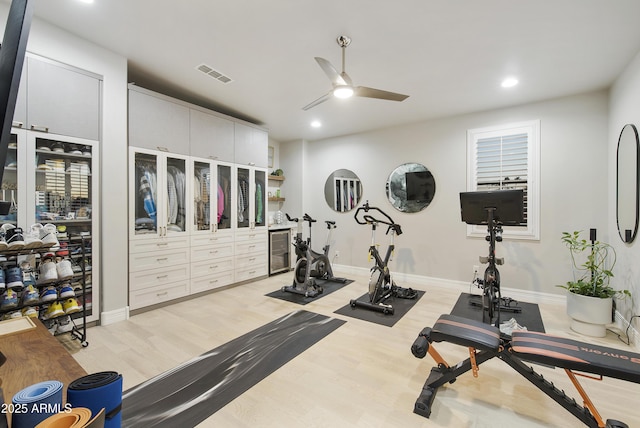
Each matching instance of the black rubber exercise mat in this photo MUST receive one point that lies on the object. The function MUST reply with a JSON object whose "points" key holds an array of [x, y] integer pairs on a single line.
{"points": [[468, 306], [400, 309], [328, 288], [193, 391]]}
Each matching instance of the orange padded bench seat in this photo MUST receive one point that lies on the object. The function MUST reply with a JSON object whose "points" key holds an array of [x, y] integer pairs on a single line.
{"points": [[574, 355]]}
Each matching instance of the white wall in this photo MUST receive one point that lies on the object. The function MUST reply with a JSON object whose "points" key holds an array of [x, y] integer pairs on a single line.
{"points": [[55, 43], [573, 191], [624, 108]]}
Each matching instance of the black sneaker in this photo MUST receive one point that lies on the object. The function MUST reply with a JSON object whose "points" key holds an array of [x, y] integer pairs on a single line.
{"points": [[13, 237]]}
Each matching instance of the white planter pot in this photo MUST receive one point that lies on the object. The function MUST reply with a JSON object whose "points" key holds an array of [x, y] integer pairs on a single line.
{"points": [[589, 315]]}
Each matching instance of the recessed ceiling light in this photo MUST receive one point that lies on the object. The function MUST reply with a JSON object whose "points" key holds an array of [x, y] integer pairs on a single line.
{"points": [[509, 82], [316, 124]]}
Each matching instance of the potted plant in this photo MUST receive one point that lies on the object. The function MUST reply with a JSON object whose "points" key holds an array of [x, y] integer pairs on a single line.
{"points": [[590, 297]]}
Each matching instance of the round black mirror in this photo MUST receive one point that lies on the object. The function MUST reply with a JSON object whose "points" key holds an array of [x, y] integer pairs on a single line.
{"points": [[411, 187], [342, 190]]}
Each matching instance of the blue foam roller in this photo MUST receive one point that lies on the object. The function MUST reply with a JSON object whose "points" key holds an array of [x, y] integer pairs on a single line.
{"points": [[36, 403], [99, 391]]}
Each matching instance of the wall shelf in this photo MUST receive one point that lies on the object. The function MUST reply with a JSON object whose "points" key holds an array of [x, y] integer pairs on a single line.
{"points": [[276, 177]]}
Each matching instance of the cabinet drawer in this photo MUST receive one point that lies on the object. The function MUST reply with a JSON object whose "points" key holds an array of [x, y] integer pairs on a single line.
{"points": [[157, 259], [164, 293], [210, 252], [209, 238], [158, 244], [208, 267], [251, 235], [251, 247], [158, 277], [210, 282], [251, 260], [250, 273]]}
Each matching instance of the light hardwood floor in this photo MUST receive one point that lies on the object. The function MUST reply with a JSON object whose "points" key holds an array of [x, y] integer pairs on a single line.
{"points": [[361, 375]]}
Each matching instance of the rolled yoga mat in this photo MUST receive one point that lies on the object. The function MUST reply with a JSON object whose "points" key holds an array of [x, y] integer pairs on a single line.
{"points": [[76, 417], [98, 391], [36, 403]]}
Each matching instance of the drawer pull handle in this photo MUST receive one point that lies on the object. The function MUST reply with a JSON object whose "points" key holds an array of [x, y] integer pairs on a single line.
{"points": [[213, 252], [213, 281], [164, 293], [160, 244], [161, 259], [39, 128], [17, 124], [161, 276], [213, 267]]}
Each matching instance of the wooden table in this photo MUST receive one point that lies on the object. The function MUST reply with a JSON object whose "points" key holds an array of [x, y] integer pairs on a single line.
{"points": [[35, 356]]}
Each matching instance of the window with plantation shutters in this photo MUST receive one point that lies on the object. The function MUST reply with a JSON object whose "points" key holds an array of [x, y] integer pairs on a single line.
{"points": [[507, 157]]}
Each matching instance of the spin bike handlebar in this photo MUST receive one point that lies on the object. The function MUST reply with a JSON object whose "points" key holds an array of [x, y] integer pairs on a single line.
{"points": [[367, 218], [306, 217]]}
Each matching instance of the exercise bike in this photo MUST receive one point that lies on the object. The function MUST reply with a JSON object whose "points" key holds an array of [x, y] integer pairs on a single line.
{"points": [[496, 206], [381, 285], [311, 265]]}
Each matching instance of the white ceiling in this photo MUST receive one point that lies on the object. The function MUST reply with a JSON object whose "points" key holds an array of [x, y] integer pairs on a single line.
{"points": [[449, 56]]}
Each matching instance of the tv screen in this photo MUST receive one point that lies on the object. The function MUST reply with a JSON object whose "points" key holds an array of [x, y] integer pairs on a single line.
{"points": [[420, 186], [507, 206]]}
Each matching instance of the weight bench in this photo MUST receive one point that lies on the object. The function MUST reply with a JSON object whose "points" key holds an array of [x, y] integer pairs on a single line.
{"points": [[484, 343]]}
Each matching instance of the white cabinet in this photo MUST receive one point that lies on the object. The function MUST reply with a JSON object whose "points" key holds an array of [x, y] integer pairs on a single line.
{"points": [[251, 146], [211, 234], [250, 254], [251, 198], [61, 100], [53, 179], [211, 136], [158, 194], [219, 236], [157, 123]]}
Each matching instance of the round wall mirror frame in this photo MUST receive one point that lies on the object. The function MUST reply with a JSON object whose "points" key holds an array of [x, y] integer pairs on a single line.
{"points": [[342, 190], [410, 187], [627, 179]]}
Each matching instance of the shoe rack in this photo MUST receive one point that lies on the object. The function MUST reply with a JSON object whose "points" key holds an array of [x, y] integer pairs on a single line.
{"points": [[52, 283], [50, 181]]}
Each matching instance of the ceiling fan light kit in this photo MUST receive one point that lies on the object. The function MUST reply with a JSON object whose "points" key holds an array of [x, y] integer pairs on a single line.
{"points": [[342, 84]]}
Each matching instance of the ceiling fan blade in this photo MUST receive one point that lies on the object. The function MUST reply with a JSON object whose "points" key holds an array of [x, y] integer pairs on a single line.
{"points": [[330, 71], [322, 99], [363, 91]]}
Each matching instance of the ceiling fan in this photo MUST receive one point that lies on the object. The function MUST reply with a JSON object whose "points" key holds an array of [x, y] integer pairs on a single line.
{"points": [[342, 84]]}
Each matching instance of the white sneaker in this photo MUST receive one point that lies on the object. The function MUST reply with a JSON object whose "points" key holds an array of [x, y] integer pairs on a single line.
{"points": [[49, 236], [64, 325], [48, 272], [64, 269], [32, 237]]}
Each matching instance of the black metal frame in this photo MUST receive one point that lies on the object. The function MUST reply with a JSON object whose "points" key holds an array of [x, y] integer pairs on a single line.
{"points": [[443, 374]]}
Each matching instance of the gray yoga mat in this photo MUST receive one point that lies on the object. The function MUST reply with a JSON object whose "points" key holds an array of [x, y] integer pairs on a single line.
{"points": [[193, 391], [529, 316]]}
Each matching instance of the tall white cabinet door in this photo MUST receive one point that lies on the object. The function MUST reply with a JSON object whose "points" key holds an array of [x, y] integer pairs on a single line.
{"points": [[62, 101], [251, 198], [211, 136], [251, 146], [158, 195], [158, 124]]}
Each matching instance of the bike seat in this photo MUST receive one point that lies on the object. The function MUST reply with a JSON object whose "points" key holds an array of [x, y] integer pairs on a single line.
{"points": [[330, 223]]}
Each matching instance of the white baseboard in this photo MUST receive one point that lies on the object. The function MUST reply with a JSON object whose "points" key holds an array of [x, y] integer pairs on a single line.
{"points": [[415, 281], [112, 317]]}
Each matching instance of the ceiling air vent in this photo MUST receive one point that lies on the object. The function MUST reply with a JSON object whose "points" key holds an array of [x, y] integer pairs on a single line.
{"points": [[214, 73]]}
